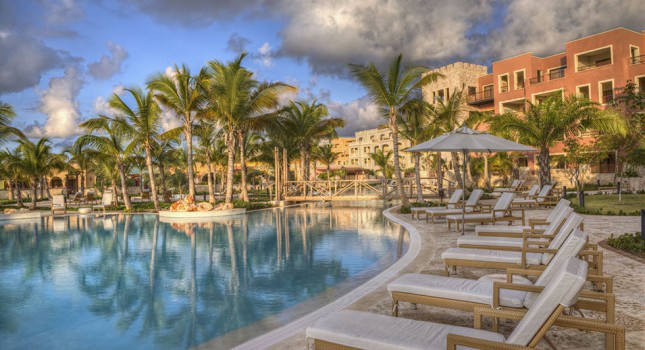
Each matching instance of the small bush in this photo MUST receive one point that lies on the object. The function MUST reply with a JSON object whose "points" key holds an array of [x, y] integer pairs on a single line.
{"points": [[426, 204], [628, 242], [251, 205], [580, 210], [405, 209]]}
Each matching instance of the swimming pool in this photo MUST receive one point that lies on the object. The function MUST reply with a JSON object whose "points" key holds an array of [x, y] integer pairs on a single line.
{"points": [[130, 281]]}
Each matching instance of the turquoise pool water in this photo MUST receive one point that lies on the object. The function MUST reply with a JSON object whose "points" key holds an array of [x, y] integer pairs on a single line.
{"points": [[130, 281]]}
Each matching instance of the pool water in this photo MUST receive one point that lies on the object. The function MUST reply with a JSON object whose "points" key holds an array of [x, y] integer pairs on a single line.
{"points": [[131, 281]]}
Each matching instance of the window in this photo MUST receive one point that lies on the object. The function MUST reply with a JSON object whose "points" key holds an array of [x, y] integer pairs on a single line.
{"points": [[503, 83], [372, 138], [584, 91], [605, 166], [556, 73], [519, 80], [606, 92], [360, 139], [557, 162], [634, 53], [538, 78], [488, 91], [440, 95], [523, 162], [472, 90], [640, 82]]}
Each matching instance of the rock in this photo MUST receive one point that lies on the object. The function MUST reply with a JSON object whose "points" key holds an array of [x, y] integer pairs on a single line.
{"points": [[205, 206], [190, 199], [9, 211]]}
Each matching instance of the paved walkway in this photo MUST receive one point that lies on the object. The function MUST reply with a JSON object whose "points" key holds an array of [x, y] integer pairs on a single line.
{"points": [[629, 285]]}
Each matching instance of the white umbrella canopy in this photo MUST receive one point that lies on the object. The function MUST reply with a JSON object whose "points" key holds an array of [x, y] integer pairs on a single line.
{"points": [[466, 140]]}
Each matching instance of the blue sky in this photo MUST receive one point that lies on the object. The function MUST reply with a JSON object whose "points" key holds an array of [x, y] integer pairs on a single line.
{"points": [[60, 60]]}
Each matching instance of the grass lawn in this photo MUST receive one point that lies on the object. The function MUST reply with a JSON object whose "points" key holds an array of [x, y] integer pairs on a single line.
{"points": [[608, 204]]}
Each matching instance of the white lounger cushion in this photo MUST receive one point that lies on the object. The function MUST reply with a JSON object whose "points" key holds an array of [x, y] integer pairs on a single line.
{"points": [[492, 241], [563, 290], [366, 330], [563, 203], [501, 256], [440, 211], [554, 224], [483, 217], [573, 221], [477, 291], [502, 203]]}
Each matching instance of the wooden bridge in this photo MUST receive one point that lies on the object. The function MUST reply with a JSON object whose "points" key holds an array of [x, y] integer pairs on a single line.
{"points": [[335, 190]]}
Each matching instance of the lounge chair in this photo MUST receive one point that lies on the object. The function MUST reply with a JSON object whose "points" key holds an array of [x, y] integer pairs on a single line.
{"points": [[501, 212], [58, 204], [78, 198], [528, 257], [452, 202], [558, 230], [472, 205], [106, 201], [532, 192], [556, 216], [89, 198], [514, 186], [544, 196], [350, 329]]}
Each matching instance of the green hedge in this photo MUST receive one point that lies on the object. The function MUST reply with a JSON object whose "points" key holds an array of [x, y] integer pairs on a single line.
{"points": [[628, 242]]}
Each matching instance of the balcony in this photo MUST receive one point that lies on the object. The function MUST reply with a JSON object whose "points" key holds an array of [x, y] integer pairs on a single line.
{"points": [[480, 98], [637, 59], [536, 80], [557, 73]]}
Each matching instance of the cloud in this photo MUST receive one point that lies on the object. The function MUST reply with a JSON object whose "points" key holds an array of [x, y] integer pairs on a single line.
{"points": [[237, 43], [24, 60], [106, 67], [59, 103], [265, 55], [542, 27], [61, 11], [359, 114], [101, 104], [195, 12]]}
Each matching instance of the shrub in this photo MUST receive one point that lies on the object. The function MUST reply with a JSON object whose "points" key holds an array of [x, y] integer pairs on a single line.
{"points": [[629, 242], [405, 210]]}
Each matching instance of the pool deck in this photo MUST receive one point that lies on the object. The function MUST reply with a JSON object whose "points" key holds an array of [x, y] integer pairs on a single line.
{"points": [[424, 256]]}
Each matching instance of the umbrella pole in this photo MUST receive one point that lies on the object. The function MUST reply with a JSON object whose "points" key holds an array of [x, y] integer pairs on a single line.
{"points": [[463, 196]]}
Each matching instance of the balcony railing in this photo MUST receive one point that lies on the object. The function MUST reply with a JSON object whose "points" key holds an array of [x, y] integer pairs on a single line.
{"points": [[584, 67], [536, 80], [480, 97], [556, 74], [637, 59]]}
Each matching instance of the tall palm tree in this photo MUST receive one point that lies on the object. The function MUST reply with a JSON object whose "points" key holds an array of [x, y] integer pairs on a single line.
{"points": [[415, 125], [37, 159], [164, 152], [240, 103], [206, 136], [390, 92], [142, 123], [326, 155], [308, 124], [183, 94], [106, 168], [555, 119], [111, 142], [448, 115], [382, 160]]}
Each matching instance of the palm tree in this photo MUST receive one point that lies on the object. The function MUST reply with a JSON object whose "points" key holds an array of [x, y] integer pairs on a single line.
{"points": [[164, 152], [6, 115], [325, 155], [390, 93], [183, 94], [448, 115], [106, 168], [142, 123], [36, 160], [111, 143], [307, 124], [415, 124], [382, 160], [555, 119], [240, 103], [77, 155], [206, 136]]}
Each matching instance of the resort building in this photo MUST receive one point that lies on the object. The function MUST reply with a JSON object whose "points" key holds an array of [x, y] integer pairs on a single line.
{"points": [[369, 141]]}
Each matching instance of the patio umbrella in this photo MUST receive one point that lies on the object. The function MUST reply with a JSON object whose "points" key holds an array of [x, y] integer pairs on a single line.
{"points": [[467, 140]]}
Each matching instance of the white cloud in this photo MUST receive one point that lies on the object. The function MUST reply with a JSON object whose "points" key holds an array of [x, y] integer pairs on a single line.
{"points": [[59, 103], [265, 55], [62, 11], [107, 66], [359, 114]]}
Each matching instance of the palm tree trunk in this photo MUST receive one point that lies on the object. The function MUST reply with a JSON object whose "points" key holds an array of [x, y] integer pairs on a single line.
{"points": [[397, 167], [303, 157], [153, 185], [188, 134], [83, 182], [18, 193], [457, 169], [486, 172], [46, 184], [211, 179], [162, 175], [230, 149], [240, 141], [545, 167], [439, 168], [11, 190], [116, 198], [469, 173], [34, 191], [417, 170], [42, 186], [124, 188]]}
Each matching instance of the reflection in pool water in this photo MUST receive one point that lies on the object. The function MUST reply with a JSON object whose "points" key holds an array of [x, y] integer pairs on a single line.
{"points": [[130, 281]]}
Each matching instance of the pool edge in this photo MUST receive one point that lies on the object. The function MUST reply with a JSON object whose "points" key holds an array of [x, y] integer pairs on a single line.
{"points": [[292, 328]]}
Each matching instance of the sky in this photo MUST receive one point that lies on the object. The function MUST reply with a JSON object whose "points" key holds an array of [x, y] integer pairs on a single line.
{"points": [[61, 60]]}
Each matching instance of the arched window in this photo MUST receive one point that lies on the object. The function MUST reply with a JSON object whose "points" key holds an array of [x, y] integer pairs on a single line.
{"points": [[56, 182], [205, 178]]}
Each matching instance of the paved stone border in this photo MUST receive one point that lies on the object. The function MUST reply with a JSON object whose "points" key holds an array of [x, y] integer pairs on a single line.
{"points": [[346, 300]]}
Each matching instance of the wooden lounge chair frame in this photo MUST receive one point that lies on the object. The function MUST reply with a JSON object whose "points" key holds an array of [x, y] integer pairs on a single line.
{"points": [[507, 216], [474, 208], [56, 207], [105, 202], [451, 203]]}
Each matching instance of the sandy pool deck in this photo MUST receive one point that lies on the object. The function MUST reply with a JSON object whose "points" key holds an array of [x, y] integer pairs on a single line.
{"points": [[629, 279]]}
